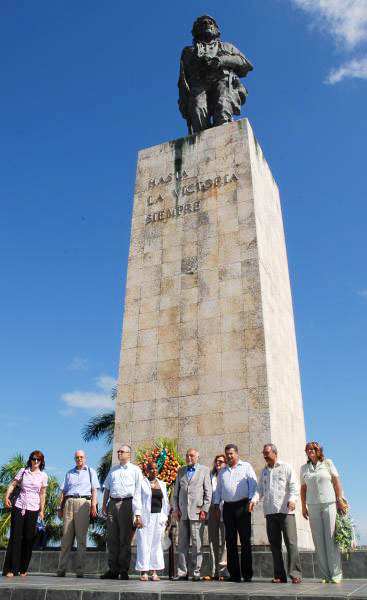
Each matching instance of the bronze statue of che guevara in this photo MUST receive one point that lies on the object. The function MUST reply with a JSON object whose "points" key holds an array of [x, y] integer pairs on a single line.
{"points": [[210, 90]]}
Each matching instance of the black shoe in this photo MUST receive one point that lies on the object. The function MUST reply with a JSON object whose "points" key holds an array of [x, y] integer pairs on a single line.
{"points": [[181, 578], [195, 578], [124, 575], [109, 575], [247, 579], [60, 574], [234, 579], [80, 575]]}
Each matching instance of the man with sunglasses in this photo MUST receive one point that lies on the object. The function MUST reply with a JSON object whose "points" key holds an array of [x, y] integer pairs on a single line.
{"points": [[122, 491], [78, 503]]}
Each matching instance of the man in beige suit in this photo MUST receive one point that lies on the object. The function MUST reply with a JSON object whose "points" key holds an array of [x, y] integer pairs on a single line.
{"points": [[191, 502]]}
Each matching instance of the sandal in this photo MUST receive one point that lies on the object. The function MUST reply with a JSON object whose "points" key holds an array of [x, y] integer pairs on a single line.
{"points": [[278, 580], [144, 577], [155, 577], [206, 578], [296, 579]]}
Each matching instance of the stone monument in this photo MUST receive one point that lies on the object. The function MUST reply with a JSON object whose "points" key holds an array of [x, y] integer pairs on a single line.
{"points": [[208, 351]]}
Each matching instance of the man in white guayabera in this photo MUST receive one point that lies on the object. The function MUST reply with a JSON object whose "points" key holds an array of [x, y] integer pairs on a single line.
{"points": [[279, 489]]}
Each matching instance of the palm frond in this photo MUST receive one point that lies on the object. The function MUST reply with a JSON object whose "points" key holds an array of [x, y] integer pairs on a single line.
{"points": [[9, 469], [104, 466], [100, 426]]}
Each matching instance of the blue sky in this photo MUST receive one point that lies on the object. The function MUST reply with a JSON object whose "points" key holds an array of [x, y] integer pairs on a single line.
{"points": [[84, 86]]}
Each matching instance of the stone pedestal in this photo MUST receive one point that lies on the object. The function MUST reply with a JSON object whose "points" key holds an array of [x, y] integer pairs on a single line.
{"points": [[209, 350]]}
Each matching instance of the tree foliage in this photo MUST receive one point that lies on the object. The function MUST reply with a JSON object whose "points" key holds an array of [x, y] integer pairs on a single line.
{"points": [[101, 427]]}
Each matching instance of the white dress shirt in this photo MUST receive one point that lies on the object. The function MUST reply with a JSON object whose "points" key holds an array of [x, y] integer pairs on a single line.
{"points": [[124, 481], [235, 483], [277, 486]]}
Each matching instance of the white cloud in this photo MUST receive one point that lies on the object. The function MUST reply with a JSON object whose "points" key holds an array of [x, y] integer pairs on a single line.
{"points": [[90, 400], [345, 20], [106, 383], [355, 68], [79, 364]]}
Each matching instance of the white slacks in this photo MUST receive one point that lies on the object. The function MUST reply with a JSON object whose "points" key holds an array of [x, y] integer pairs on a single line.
{"points": [[322, 523], [149, 551]]}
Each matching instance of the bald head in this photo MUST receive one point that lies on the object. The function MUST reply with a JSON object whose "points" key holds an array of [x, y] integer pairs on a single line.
{"points": [[80, 458], [192, 456]]}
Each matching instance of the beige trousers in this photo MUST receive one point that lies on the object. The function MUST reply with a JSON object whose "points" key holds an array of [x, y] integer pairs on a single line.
{"points": [[187, 530], [217, 545], [76, 523], [322, 523]]}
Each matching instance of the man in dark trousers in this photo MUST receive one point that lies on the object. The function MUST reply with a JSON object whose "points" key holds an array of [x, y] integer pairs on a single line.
{"points": [[236, 487], [279, 489], [122, 488]]}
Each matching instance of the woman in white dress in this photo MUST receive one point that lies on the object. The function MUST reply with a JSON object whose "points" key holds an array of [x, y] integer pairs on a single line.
{"points": [[154, 515]]}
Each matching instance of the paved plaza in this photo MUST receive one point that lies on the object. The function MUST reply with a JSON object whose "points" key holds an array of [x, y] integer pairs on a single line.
{"points": [[48, 587]]}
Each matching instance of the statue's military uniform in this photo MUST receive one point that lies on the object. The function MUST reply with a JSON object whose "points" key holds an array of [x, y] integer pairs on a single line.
{"points": [[209, 94]]}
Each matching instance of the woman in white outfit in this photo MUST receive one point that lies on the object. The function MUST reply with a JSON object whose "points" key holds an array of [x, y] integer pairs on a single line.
{"points": [[321, 496], [154, 515]]}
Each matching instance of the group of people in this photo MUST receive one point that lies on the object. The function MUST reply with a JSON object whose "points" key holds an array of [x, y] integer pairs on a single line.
{"points": [[223, 498]]}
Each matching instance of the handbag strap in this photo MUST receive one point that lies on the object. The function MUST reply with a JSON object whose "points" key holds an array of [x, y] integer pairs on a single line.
{"points": [[90, 479], [19, 483]]}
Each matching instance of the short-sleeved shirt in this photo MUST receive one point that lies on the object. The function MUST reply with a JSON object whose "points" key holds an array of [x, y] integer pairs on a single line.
{"points": [[318, 480], [30, 487], [78, 482], [124, 481]]}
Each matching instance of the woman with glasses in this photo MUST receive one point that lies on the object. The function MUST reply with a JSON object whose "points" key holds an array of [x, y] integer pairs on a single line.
{"points": [[27, 508], [322, 497], [216, 531]]}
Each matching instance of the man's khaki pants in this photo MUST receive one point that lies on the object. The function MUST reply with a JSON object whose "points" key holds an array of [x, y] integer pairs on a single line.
{"points": [[76, 523]]}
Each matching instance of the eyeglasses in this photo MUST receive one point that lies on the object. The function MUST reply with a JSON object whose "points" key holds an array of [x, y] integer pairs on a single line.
{"points": [[220, 461], [36, 459], [123, 451]]}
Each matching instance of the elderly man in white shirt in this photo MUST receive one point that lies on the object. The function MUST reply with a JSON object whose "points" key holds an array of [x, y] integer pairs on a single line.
{"points": [[236, 487], [278, 488], [122, 488]]}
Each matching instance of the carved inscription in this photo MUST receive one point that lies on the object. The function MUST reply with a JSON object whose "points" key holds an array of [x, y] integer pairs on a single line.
{"points": [[177, 211], [186, 190]]}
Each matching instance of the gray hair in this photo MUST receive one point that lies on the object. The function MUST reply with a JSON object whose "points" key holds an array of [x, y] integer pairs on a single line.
{"points": [[272, 447], [126, 446], [192, 450]]}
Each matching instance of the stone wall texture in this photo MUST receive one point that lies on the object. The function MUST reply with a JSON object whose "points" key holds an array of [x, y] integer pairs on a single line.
{"points": [[209, 351]]}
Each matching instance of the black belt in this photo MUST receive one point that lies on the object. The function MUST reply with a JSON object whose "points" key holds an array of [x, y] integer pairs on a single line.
{"points": [[236, 501], [121, 499], [78, 496]]}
